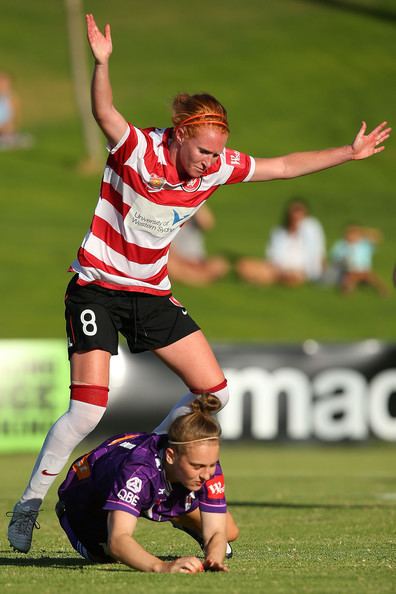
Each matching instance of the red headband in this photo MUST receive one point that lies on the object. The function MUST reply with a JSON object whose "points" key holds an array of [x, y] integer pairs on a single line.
{"points": [[190, 120]]}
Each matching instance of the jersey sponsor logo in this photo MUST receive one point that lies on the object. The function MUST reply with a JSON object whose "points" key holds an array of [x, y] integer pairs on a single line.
{"points": [[177, 218], [156, 182], [192, 185], [215, 487], [134, 484], [128, 497], [158, 220], [81, 468], [234, 158]]}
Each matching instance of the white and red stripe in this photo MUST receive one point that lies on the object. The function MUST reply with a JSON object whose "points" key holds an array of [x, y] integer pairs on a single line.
{"points": [[142, 205]]}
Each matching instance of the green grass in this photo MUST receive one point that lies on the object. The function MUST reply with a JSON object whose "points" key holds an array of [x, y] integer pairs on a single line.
{"points": [[294, 75], [313, 519]]}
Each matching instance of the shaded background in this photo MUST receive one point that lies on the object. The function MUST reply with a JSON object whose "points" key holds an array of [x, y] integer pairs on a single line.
{"points": [[294, 75]]}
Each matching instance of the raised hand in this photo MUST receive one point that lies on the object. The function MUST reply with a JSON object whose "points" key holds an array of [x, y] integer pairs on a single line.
{"points": [[366, 145], [100, 44]]}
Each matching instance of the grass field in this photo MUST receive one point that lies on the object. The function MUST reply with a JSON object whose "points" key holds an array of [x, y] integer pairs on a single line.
{"points": [[294, 74], [313, 519]]}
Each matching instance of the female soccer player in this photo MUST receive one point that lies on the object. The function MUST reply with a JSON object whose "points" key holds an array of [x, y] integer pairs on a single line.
{"points": [[154, 180], [174, 477]]}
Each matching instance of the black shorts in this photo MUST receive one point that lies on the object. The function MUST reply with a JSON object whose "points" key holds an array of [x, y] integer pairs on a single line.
{"points": [[95, 315], [87, 533]]}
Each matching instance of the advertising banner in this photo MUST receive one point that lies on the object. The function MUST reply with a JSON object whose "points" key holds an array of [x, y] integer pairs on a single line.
{"points": [[310, 391], [34, 375]]}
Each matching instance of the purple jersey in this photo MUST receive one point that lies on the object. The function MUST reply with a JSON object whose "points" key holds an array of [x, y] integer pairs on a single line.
{"points": [[126, 473]]}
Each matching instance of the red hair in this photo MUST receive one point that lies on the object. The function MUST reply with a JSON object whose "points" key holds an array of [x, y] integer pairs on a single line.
{"points": [[192, 111]]}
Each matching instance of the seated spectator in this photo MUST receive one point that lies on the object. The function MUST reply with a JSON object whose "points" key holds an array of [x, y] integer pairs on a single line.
{"points": [[188, 261], [295, 252], [9, 137], [352, 257]]}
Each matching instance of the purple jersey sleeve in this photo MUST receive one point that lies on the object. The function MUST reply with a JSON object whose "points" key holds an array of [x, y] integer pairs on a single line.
{"points": [[131, 491], [211, 496]]}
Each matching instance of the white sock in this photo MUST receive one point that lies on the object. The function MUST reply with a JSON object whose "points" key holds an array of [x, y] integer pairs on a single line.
{"points": [[182, 407], [68, 431]]}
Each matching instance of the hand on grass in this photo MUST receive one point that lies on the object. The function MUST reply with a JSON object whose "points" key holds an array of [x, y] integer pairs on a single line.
{"points": [[212, 565], [184, 565]]}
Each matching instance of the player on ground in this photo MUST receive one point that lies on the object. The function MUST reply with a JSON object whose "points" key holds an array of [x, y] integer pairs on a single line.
{"points": [[154, 180], [174, 477]]}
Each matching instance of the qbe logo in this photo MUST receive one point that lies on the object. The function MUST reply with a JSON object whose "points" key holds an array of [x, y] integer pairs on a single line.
{"points": [[134, 484], [128, 497]]}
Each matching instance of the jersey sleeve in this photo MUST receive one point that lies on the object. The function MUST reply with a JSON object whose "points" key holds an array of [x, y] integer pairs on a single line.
{"points": [[131, 491], [211, 496], [239, 166], [125, 146]]}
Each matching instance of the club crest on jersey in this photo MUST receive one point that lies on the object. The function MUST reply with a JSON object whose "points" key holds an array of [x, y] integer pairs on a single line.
{"points": [[192, 185], [156, 182]]}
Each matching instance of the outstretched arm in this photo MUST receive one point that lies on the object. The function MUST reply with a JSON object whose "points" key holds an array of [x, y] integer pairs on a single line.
{"points": [[214, 532], [123, 547], [298, 164], [111, 122]]}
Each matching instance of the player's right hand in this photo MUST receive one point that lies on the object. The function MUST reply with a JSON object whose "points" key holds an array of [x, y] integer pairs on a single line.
{"points": [[184, 565], [212, 565]]}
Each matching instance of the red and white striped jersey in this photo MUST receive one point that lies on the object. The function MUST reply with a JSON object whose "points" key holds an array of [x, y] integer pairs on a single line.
{"points": [[141, 207]]}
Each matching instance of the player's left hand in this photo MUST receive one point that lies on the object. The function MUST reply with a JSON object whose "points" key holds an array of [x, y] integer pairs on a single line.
{"points": [[366, 145]]}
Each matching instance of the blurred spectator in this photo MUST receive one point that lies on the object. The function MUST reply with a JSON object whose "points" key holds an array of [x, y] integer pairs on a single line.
{"points": [[10, 138], [295, 252], [188, 261], [352, 256]]}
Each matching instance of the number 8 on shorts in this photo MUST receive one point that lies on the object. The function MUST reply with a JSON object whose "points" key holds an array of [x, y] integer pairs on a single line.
{"points": [[88, 320]]}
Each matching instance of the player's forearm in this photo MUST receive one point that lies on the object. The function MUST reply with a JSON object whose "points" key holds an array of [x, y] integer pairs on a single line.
{"points": [[298, 164], [101, 92], [215, 548], [127, 550]]}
